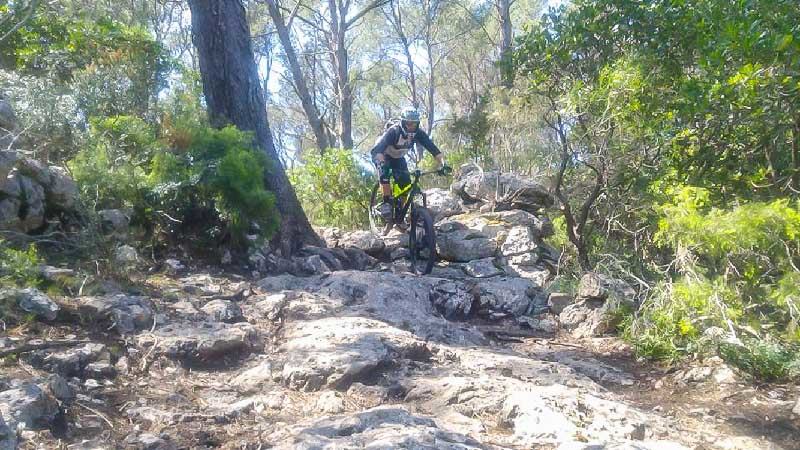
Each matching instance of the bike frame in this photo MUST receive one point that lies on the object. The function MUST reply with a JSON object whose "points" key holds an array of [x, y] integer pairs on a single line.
{"points": [[411, 191]]}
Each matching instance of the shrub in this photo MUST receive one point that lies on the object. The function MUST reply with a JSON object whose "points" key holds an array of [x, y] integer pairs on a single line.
{"points": [[334, 189], [18, 267], [207, 184], [737, 283]]}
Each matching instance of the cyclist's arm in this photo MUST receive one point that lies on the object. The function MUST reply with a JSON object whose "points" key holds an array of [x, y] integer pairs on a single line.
{"points": [[425, 140]]}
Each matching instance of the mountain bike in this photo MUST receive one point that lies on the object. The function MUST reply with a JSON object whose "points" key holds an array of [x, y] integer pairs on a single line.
{"points": [[412, 204]]}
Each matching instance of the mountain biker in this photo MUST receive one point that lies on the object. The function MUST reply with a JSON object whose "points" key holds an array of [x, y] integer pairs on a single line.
{"points": [[389, 152]]}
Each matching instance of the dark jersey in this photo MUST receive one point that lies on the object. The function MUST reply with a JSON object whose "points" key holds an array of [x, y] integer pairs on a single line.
{"points": [[395, 142]]}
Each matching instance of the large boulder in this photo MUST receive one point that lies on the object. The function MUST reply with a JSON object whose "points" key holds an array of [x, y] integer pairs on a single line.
{"points": [[114, 222], [515, 236], [367, 241], [9, 214], [62, 191], [442, 203], [504, 190], [28, 198], [598, 305], [464, 245], [31, 191], [510, 296]]}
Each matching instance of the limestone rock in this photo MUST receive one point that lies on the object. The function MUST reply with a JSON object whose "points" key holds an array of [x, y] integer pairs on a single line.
{"points": [[367, 241], [519, 240], [8, 160], [597, 306], [8, 436], [200, 342], [514, 296], [36, 302], [126, 313], [114, 222], [482, 268], [383, 427], [28, 404], [223, 311], [62, 191], [464, 245], [71, 362], [796, 409], [507, 190], [251, 379], [558, 301], [453, 300], [442, 203], [594, 286], [126, 255], [9, 214], [335, 352]]}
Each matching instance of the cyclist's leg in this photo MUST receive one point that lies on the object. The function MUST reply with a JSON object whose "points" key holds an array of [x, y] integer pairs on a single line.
{"points": [[385, 207], [401, 177]]}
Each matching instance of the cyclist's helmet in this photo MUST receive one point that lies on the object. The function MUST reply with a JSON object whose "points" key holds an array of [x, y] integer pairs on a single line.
{"points": [[409, 119]]}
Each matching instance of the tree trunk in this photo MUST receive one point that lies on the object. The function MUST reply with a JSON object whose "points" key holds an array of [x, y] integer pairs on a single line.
{"points": [[234, 96], [431, 90], [504, 11], [310, 109], [338, 20], [396, 17]]}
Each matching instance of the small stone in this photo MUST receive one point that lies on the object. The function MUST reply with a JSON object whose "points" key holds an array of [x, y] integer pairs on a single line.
{"points": [[126, 255], [173, 266], [60, 389], [100, 370], [122, 365], [330, 402], [227, 258]]}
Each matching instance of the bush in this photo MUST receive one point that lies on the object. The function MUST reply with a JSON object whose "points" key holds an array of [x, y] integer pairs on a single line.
{"points": [[207, 184], [334, 189], [737, 283], [19, 268]]}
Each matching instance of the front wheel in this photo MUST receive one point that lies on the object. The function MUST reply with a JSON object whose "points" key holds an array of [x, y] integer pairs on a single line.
{"points": [[422, 241]]}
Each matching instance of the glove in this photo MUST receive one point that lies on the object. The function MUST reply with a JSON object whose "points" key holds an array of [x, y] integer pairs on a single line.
{"points": [[445, 170]]}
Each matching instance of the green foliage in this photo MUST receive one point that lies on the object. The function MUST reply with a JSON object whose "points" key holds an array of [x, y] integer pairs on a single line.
{"points": [[19, 267], [739, 277], [769, 361], [62, 68], [334, 189], [208, 183]]}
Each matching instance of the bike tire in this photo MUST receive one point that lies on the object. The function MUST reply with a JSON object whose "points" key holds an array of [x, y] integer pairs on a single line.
{"points": [[421, 237], [374, 219]]}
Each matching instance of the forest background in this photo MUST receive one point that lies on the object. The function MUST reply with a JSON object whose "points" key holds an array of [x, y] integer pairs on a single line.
{"points": [[668, 131]]}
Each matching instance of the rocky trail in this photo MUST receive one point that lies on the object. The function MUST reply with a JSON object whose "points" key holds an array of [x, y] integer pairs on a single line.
{"points": [[341, 347]]}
